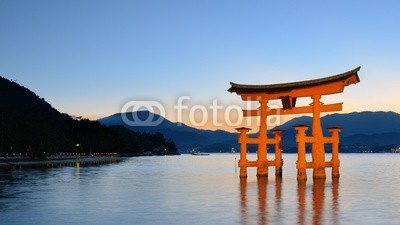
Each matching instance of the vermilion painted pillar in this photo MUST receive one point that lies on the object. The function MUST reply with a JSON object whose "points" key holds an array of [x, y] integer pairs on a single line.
{"points": [[262, 168], [278, 152], [243, 150], [301, 152], [335, 151], [318, 150]]}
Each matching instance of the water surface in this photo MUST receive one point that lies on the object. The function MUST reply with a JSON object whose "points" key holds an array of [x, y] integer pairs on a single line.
{"points": [[201, 190]]}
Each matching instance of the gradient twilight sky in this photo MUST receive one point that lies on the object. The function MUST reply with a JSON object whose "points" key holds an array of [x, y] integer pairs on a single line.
{"points": [[88, 58]]}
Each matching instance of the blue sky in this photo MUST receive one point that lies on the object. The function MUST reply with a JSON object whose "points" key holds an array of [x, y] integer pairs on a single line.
{"points": [[89, 58]]}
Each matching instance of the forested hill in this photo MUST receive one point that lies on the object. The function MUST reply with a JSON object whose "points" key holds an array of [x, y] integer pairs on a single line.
{"points": [[31, 126]]}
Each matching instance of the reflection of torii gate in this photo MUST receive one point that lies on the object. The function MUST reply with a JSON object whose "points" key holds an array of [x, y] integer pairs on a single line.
{"points": [[288, 93]]}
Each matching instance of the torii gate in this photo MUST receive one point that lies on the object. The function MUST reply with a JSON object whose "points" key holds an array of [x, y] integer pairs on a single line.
{"points": [[288, 93]]}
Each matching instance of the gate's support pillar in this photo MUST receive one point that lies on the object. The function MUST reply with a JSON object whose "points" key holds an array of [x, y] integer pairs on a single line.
{"points": [[301, 152], [243, 151], [278, 152], [335, 151]]}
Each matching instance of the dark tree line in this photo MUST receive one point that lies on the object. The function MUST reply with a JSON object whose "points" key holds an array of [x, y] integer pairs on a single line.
{"points": [[31, 126]]}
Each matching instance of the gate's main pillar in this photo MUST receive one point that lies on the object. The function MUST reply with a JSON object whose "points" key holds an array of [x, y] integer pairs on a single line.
{"points": [[262, 168], [318, 149]]}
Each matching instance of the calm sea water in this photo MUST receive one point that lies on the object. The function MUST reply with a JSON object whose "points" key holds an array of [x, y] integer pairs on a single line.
{"points": [[201, 190]]}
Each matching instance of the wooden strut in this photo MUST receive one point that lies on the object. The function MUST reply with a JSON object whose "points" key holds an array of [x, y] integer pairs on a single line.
{"points": [[264, 163]]}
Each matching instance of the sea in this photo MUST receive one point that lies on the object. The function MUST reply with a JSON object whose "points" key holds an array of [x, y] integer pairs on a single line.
{"points": [[203, 189]]}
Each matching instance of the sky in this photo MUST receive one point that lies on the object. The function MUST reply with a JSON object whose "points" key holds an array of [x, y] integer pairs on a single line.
{"points": [[92, 58]]}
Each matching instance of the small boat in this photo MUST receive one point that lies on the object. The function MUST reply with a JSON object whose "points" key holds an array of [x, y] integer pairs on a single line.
{"points": [[198, 153], [395, 150]]}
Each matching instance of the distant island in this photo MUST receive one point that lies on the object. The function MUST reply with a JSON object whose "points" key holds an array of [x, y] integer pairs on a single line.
{"points": [[31, 129]]}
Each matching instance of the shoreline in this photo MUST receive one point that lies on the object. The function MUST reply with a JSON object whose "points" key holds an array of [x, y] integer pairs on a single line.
{"points": [[69, 160], [74, 159]]}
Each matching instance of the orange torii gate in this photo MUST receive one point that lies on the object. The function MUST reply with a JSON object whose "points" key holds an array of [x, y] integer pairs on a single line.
{"points": [[288, 93]]}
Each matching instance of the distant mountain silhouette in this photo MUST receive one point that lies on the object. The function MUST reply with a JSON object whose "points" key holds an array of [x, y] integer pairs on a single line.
{"points": [[359, 129], [185, 137], [372, 139], [31, 126], [354, 123]]}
